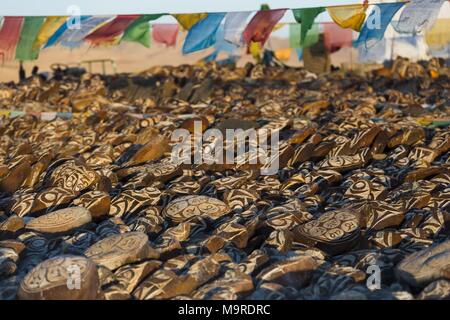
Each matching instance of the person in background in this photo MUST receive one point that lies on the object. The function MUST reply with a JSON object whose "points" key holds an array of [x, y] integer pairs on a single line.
{"points": [[35, 71], [317, 58], [42, 75], [22, 74]]}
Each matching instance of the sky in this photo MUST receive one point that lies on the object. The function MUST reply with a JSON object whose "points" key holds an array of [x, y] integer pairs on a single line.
{"points": [[98, 7]]}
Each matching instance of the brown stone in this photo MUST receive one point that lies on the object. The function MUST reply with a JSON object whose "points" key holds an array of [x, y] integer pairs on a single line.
{"points": [[56, 279], [296, 272], [130, 276], [120, 249], [152, 150], [11, 225], [16, 175], [97, 202], [334, 232], [425, 266], [60, 221], [187, 207]]}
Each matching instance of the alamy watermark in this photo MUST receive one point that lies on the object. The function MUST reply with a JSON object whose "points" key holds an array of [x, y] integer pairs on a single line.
{"points": [[74, 20], [73, 277], [373, 281]]}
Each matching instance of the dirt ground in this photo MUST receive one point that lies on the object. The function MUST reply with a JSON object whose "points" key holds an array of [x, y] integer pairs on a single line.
{"points": [[133, 57]]}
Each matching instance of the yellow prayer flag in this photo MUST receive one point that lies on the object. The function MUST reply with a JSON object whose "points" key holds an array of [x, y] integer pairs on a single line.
{"points": [[255, 50], [49, 27], [439, 34], [349, 16], [187, 20], [283, 54]]}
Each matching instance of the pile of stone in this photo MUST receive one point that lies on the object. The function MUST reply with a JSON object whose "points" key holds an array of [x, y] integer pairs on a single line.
{"points": [[94, 207]]}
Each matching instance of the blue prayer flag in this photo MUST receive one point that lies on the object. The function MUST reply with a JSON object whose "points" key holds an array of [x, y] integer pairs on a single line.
{"points": [[377, 22], [54, 39], [203, 34]]}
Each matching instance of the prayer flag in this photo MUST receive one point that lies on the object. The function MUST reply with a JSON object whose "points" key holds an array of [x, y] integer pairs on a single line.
{"points": [[261, 25], [111, 30], [30, 30], [234, 26], [165, 33], [187, 20], [350, 16], [139, 30], [203, 34], [418, 15], [306, 18], [10, 34], [377, 22], [49, 27]]}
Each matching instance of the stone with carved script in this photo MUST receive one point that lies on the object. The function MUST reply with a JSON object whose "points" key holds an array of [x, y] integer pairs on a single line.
{"points": [[425, 266], [63, 277], [334, 232], [186, 207], [60, 221], [120, 249]]}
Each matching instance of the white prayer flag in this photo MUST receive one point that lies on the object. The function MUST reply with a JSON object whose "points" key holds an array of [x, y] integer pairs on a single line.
{"points": [[418, 15], [235, 23]]}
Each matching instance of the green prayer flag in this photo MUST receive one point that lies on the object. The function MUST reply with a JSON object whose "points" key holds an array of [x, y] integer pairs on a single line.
{"points": [[306, 18], [139, 30], [30, 30], [294, 35], [311, 38]]}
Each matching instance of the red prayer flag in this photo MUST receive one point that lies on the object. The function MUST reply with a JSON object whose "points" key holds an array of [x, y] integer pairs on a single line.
{"points": [[9, 35], [261, 25], [165, 33], [111, 30], [335, 37]]}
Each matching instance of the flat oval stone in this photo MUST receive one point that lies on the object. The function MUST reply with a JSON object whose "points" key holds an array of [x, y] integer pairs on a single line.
{"points": [[186, 207], [334, 232], [11, 225], [296, 272], [120, 249], [61, 278], [73, 176], [425, 266], [61, 220]]}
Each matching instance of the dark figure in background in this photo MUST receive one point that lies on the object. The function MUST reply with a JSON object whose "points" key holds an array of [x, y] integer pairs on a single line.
{"points": [[42, 75], [269, 59], [58, 74], [22, 74], [35, 71], [316, 58]]}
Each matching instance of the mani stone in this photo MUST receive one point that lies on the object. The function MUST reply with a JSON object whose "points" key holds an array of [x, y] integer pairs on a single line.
{"points": [[60, 221], [129, 276], [167, 284], [333, 232], [120, 249], [73, 176], [63, 277], [437, 290], [186, 207], [97, 202], [296, 272], [425, 266], [10, 226]]}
